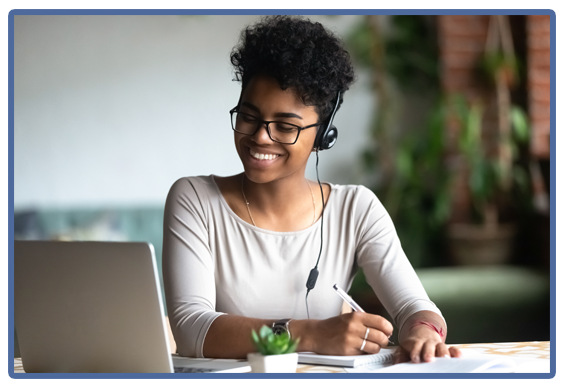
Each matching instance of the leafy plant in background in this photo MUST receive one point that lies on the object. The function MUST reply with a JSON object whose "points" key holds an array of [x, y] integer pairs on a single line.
{"points": [[495, 177], [490, 183], [412, 178], [418, 195], [267, 343]]}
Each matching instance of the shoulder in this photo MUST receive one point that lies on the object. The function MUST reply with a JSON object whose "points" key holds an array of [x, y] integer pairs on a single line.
{"points": [[191, 188], [193, 182], [357, 195], [359, 205]]}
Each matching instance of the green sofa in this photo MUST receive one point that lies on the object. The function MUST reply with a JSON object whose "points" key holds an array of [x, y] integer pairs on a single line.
{"points": [[481, 304]]}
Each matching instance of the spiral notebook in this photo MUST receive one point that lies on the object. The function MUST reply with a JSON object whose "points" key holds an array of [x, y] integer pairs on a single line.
{"points": [[385, 356]]}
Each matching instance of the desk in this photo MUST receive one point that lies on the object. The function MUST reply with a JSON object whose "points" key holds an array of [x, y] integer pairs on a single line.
{"points": [[531, 350]]}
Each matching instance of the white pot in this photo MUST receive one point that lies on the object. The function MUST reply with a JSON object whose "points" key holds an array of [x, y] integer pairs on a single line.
{"points": [[273, 363]]}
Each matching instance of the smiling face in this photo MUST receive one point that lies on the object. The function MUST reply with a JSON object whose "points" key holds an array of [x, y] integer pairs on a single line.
{"points": [[265, 160]]}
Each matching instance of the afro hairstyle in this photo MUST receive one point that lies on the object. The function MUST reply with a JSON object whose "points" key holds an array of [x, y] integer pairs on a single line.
{"points": [[300, 54]]}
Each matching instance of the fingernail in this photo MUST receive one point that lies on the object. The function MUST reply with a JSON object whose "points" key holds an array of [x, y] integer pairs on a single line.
{"points": [[446, 355], [415, 359]]}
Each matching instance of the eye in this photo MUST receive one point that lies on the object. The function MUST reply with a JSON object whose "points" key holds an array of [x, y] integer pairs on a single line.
{"points": [[247, 118], [285, 127]]}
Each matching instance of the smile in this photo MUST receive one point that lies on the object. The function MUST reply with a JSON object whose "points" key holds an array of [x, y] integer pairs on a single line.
{"points": [[262, 156]]}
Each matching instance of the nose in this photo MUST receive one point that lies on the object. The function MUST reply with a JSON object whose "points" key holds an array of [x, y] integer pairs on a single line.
{"points": [[261, 135]]}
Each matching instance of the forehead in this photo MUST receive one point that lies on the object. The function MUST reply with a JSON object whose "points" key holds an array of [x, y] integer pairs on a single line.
{"points": [[268, 97]]}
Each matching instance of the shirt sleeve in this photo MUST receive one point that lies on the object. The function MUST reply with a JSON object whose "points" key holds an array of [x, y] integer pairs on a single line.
{"points": [[188, 266], [385, 265]]}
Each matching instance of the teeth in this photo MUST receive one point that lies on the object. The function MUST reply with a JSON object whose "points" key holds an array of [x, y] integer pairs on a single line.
{"points": [[262, 156]]}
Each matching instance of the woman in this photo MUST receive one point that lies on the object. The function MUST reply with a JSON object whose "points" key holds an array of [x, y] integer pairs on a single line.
{"points": [[238, 250]]}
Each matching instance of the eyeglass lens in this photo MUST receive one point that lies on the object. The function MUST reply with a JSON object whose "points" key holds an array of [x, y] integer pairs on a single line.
{"points": [[279, 131]]}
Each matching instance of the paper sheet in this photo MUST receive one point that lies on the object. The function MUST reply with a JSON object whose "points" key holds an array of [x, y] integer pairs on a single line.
{"points": [[472, 361]]}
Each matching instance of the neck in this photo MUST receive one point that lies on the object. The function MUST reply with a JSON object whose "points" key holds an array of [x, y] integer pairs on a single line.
{"points": [[278, 196], [280, 211]]}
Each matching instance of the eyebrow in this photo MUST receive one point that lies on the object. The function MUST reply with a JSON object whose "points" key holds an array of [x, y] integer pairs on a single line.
{"points": [[278, 114]]}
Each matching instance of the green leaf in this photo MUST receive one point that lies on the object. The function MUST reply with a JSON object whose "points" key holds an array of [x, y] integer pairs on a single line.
{"points": [[293, 346], [404, 162], [258, 343], [255, 337], [519, 124], [520, 177], [474, 125], [265, 332], [269, 344]]}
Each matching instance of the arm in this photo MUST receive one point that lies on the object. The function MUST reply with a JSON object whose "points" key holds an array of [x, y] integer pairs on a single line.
{"points": [[187, 268], [395, 282], [229, 336]]}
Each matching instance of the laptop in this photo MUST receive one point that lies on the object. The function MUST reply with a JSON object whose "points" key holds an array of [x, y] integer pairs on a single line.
{"points": [[95, 307]]}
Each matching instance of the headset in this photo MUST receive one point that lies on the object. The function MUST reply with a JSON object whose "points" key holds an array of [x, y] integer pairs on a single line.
{"points": [[327, 134], [325, 139]]}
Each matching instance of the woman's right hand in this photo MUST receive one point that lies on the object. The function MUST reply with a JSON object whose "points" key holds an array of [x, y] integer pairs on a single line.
{"points": [[344, 334]]}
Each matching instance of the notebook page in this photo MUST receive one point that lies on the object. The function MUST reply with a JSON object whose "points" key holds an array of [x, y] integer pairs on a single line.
{"points": [[454, 365], [384, 356]]}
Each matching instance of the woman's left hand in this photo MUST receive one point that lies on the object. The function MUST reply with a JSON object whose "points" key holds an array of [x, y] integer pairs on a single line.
{"points": [[423, 344]]}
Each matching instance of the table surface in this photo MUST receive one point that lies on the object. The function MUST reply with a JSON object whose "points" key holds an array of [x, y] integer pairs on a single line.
{"points": [[529, 350]]}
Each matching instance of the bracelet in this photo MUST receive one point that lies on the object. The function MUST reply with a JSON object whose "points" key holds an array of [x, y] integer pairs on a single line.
{"points": [[420, 322]]}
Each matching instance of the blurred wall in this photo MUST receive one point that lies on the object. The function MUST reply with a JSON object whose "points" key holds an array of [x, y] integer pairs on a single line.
{"points": [[111, 110]]}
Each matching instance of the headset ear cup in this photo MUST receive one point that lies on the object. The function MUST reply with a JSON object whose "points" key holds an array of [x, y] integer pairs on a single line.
{"points": [[329, 138], [327, 134], [325, 139]]}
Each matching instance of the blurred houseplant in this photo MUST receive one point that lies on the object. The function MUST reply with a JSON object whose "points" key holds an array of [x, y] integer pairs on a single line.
{"points": [[405, 159], [494, 177], [495, 182]]}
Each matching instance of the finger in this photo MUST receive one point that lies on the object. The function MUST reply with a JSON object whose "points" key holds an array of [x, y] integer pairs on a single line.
{"points": [[428, 351], [455, 352], [415, 352], [378, 337], [400, 356], [370, 347], [377, 322], [442, 350]]}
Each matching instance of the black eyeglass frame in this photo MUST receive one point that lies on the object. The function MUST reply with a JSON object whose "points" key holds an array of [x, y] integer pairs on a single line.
{"points": [[262, 122]]}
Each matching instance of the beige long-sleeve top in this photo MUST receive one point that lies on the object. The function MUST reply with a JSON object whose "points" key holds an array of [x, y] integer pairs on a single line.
{"points": [[214, 262]]}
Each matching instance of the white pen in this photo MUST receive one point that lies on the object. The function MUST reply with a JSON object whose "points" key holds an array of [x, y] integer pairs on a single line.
{"points": [[353, 304]]}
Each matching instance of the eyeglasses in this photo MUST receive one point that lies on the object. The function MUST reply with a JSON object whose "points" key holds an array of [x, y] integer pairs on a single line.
{"points": [[282, 132]]}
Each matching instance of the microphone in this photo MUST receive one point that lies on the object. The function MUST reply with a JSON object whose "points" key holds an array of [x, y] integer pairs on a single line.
{"points": [[312, 280]]}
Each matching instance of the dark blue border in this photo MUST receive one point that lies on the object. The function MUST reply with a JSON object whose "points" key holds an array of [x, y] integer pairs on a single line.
{"points": [[15, 12], [280, 12], [11, 328], [553, 191]]}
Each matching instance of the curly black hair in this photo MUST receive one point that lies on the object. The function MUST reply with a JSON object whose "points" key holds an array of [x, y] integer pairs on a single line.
{"points": [[300, 54]]}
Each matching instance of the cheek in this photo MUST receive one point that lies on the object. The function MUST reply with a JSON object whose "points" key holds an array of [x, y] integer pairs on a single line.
{"points": [[302, 150], [308, 140], [237, 140]]}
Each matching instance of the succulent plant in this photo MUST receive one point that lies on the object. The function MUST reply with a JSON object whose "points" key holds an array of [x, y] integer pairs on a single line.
{"points": [[267, 343]]}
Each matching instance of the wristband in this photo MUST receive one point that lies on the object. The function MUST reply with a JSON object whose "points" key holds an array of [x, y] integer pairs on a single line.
{"points": [[432, 326]]}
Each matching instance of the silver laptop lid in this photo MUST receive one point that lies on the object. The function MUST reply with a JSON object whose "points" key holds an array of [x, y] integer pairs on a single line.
{"points": [[89, 307]]}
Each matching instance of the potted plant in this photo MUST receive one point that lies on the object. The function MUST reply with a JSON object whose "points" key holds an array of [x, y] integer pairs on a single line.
{"points": [[493, 175], [492, 181], [276, 353]]}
